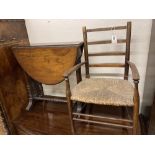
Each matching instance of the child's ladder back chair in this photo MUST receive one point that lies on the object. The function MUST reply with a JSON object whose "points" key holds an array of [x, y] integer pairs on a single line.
{"points": [[105, 91]]}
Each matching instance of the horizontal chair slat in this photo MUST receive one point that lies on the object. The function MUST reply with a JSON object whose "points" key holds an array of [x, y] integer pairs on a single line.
{"points": [[106, 42], [107, 65], [107, 54], [107, 74], [103, 123], [106, 29]]}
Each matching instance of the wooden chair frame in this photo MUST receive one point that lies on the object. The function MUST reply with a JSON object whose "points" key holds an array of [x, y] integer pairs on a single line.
{"points": [[135, 76]]}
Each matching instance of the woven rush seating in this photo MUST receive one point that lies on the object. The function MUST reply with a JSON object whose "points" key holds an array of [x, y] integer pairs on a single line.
{"points": [[104, 91]]}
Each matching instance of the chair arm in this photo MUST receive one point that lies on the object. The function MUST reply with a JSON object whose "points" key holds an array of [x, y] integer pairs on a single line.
{"points": [[134, 70], [70, 71]]}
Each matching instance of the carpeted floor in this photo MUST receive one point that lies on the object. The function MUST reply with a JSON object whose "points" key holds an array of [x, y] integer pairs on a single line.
{"points": [[2, 126]]}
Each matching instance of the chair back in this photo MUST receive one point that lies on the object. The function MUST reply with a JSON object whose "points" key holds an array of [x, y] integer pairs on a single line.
{"points": [[125, 53]]}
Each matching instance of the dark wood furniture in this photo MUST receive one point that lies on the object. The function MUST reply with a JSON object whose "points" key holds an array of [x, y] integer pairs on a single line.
{"points": [[45, 64], [15, 97], [13, 93], [92, 87]]}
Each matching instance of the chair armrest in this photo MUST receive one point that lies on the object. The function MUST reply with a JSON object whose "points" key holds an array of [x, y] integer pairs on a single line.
{"points": [[134, 70], [70, 71]]}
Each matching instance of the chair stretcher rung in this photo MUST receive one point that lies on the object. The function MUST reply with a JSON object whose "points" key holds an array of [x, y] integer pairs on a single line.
{"points": [[103, 123], [103, 117]]}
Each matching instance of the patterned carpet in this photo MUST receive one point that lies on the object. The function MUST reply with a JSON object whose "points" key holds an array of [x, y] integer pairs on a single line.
{"points": [[2, 126]]}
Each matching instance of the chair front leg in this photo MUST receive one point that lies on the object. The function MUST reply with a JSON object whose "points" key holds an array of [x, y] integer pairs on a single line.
{"points": [[69, 104], [136, 108], [70, 111], [123, 110]]}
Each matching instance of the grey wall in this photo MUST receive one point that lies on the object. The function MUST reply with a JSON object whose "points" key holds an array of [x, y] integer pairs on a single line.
{"points": [[149, 85]]}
